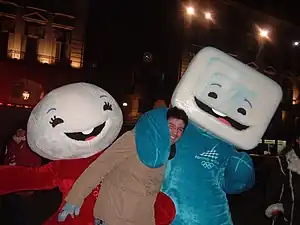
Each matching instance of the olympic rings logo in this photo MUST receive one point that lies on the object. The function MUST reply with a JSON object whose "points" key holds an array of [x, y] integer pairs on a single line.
{"points": [[207, 165]]}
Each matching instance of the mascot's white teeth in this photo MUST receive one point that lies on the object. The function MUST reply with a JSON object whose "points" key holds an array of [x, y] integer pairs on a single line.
{"points": [[218, 113], [86, 132]]}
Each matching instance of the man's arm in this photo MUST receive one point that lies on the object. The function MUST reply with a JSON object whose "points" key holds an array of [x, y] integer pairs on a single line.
{"points": [[6, 156], [276, 183], [95, 173]]}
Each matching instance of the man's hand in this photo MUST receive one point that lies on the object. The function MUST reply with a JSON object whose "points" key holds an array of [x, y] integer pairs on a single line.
{"points": [[68, 209]]}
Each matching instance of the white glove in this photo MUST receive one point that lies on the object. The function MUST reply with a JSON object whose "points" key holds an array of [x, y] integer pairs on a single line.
{"points": [[274, 210]]}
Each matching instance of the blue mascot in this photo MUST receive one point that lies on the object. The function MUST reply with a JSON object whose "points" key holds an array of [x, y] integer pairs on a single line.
{"points": [[228, 107]]}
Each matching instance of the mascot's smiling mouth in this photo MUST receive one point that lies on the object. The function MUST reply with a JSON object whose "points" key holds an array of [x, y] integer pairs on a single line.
{"points": [[85, 136], [223, 118]]}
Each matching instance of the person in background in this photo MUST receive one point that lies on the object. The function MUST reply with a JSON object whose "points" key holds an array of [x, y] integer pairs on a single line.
{"points": [[18, 153], [283, 187], [129, 187]]}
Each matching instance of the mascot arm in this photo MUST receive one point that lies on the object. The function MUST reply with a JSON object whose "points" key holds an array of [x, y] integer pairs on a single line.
{"points": [[239, 173], [152, 138], [106, 162], [19, 178]]}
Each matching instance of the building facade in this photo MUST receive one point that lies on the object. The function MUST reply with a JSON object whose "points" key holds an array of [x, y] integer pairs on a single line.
{"points": [[50, 35], [41, 47]]}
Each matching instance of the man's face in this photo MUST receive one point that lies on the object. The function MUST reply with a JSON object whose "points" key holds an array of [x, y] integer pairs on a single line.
{"points": [[20, 133], [176, 127]]}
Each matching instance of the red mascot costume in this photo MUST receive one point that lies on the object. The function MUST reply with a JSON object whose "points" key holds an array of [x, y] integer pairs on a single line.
{"points": [[71, 125]]}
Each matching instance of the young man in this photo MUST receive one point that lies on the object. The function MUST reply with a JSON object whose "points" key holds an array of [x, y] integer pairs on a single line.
{"points": [[18, 153], [177, 122], [129, 188], [19, 205]]}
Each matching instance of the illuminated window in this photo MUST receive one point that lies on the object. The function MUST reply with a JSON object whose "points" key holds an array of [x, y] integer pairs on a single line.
{"points": [[76, 65], [25, 95]]}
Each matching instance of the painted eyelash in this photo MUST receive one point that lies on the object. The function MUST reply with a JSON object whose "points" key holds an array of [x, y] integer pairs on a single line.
{"points": [[55, 121]]}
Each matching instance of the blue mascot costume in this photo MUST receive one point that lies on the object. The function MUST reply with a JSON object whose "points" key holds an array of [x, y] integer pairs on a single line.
{"points": [[197, 178], [227, 107]]}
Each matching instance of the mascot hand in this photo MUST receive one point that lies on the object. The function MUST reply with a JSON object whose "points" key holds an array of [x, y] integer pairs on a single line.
{"points": [[239, 173], [68, 209]]}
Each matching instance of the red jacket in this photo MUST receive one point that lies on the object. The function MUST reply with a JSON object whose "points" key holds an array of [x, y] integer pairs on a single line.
{"points": [[19, 154]]}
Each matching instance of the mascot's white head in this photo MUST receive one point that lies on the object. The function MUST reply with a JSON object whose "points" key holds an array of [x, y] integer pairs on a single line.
{"points": [[227, 98], [74, 121]]}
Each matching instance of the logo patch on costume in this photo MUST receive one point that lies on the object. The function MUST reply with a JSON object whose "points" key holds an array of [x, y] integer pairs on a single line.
{"points": [[96, 190], [208, 158]]}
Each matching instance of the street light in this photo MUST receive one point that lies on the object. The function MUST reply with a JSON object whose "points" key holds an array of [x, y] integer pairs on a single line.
{"points": [[190, 11], [208, 16], [263, 36], [296, 43], [264, 33]]}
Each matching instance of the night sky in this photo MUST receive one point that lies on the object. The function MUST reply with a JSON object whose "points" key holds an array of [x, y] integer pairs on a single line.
{"points": [[287, 10], [133, 27], [119, 32], [121, 25]]}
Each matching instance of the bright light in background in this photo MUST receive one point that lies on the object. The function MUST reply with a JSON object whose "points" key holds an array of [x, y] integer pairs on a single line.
{"points": [[208, 16], [125, 104], [25, 95], [296, 93], [14, 54], [264, 33], [44, 60], [190, 11], [296, 43], [75, 65]]}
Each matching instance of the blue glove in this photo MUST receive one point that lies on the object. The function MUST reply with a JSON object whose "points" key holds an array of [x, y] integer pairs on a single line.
{"points": [[68, 209]]}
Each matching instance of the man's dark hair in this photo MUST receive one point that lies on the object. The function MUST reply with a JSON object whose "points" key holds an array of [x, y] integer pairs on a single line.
{"points": [[177, 113]]}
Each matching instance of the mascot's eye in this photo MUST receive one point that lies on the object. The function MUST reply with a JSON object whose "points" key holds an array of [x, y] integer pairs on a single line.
{"points": [[242, 111], [213, 95], [55, 121], [107, 106]]}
